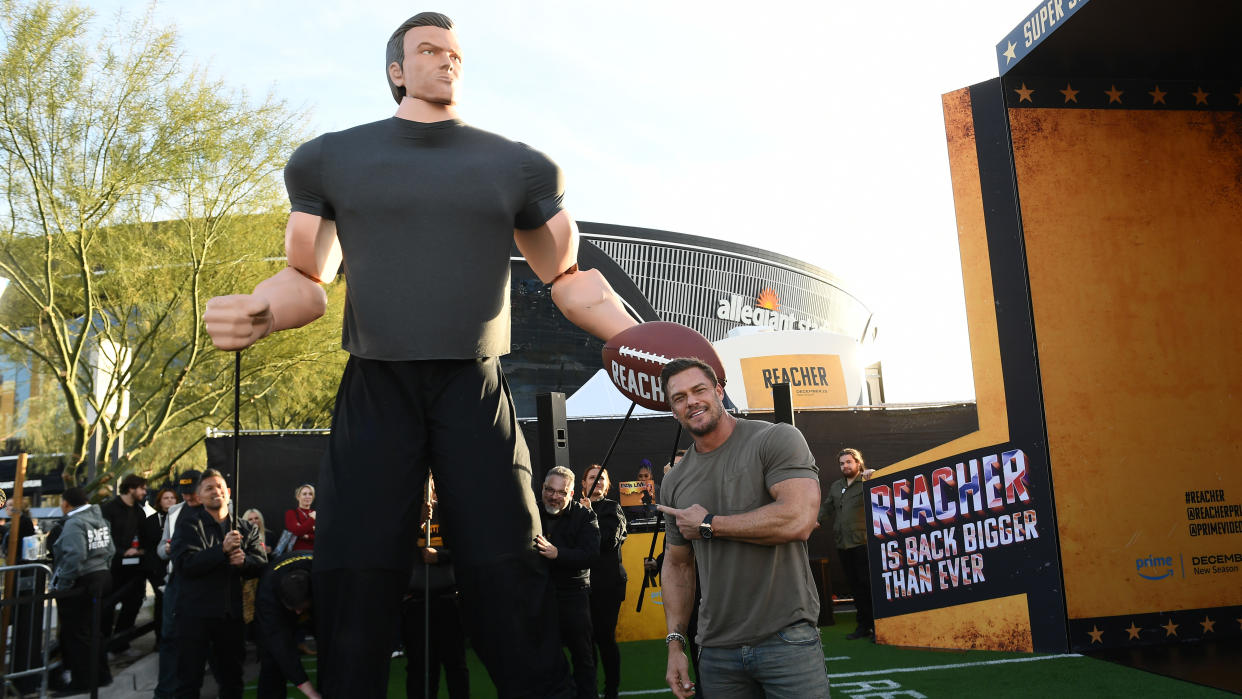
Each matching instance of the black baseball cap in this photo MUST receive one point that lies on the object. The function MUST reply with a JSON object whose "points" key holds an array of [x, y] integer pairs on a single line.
{"points": [[187, 481]]}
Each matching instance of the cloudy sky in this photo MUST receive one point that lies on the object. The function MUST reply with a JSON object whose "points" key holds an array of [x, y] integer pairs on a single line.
{"points": [[810, 129]]}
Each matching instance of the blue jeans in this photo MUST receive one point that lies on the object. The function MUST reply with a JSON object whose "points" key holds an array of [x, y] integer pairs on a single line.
{"points": [[789, 664]]}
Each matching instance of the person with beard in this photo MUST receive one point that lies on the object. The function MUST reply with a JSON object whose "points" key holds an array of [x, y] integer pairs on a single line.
{"points": [[608, 576], [126, 516], [570, 540], [211, 558], [846, 502], [740, 507]]}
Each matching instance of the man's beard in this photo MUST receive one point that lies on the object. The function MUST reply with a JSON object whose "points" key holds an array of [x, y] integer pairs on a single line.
{"points": [[711, 424], [552, 510]]}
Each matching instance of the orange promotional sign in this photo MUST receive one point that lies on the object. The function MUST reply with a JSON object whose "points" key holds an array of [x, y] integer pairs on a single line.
{"points": [[815, 380]]}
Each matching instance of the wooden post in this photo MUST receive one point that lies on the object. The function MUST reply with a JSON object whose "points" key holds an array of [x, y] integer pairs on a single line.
{"points": [[10, 578]]}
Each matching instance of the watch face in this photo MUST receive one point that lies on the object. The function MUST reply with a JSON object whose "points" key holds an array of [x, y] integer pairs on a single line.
{"points": [[705, 531]]}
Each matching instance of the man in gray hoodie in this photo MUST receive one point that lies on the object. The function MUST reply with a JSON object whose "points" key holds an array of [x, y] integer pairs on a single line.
{"points": [[83, 555]]}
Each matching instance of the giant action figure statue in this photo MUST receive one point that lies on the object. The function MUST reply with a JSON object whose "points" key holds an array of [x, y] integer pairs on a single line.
{"points": [[421, 209]]}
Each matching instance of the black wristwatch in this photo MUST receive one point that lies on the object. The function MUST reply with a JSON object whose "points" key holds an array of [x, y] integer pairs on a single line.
{"points": [[705, 527]]}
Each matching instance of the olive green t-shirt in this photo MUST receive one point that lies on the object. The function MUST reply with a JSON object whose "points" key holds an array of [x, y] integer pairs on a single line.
{"points": [[750, 591]]}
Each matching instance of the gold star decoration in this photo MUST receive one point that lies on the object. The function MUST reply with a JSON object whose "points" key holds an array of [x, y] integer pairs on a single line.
{"points": [[1071, 95], [1024, 94], [1008, 53], [1114, 95], [1170, 629], [1208, 624], [1200, 96], [1157, 95], [1096, 634], [1133, 631], [1238, 94]]}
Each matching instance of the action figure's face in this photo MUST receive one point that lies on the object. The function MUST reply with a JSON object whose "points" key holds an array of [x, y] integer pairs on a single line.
{"points": [[213, 493], [696, 402], [601, 488], [431, 68], [849, 466], [306, 497], [556, 494]]}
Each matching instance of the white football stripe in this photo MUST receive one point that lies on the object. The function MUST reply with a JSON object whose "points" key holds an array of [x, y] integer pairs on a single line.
{"points": [[626, 351]]}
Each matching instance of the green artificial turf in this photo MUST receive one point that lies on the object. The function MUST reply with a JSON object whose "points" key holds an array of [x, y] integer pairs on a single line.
{"points": [[862, 669]]}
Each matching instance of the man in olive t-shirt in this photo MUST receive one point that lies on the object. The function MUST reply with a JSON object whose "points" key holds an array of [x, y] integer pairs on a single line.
{"points": [[740, 507]]}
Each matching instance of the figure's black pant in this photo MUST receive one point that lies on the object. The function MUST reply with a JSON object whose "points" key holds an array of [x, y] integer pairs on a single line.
{"points": [[393, 421], [573, 611], [447, 648], [77, 607], [129, 587], [605, 606], [854, 562], [219, 640]]}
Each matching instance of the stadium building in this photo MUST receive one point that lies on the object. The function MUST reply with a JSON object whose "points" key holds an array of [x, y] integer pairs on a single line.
{"points": [[754, 305]]}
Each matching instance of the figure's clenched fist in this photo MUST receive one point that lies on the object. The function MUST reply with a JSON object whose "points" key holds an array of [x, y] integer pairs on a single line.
{"points": [[235, 322]]}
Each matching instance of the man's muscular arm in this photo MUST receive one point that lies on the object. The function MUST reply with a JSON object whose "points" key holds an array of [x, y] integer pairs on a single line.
{"points": [[790, 518], [585, 297], [289, 299], [677, 578]]}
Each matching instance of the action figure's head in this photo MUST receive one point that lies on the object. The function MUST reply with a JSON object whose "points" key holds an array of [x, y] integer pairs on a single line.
{"points": [[424, 59]]}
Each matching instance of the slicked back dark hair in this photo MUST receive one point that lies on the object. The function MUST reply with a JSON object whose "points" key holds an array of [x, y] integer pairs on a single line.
{"points": [[682, 364], [396, 44]]}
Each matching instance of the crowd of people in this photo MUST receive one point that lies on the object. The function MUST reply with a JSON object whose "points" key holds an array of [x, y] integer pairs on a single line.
{"points": [[218, 580]]}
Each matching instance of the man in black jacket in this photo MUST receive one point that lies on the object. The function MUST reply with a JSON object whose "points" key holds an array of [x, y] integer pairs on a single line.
{"points": [[210, 559], [125, 515], [608, 576], [570, 540], [283, 599]]}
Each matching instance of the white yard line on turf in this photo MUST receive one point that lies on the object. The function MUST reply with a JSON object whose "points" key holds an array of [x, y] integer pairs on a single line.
{"points": [[923, 668], [954, 666]]}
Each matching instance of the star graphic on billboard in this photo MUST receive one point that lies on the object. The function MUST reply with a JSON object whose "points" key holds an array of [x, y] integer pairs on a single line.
{"points": [[1170, 629], [1071, 95], [1024, 94], [1201, 96], [1096, 634], [1008, 53], [1114, 95], [1208, 624], [1157, 95], [1133, 631]]}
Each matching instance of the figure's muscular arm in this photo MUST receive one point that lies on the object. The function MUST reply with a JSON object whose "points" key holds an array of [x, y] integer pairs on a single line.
{"points": [[584, 296], [289, 299]]}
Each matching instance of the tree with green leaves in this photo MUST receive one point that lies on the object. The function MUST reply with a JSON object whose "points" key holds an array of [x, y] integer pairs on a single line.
{"points": [[135, 188]]}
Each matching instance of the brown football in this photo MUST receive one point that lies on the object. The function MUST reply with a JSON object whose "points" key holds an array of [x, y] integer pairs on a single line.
{"points": [[634, 357]]}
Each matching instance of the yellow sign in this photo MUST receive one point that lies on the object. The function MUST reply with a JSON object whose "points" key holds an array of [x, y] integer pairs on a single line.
{"points": [[815, 380]]}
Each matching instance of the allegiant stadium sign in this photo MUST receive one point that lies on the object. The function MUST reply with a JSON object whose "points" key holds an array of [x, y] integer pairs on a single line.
{"points": [[765, 312]]}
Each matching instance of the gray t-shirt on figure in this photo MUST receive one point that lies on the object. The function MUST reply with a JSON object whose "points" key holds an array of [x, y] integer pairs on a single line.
{"points": [[750, 591], [425, 213]]}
